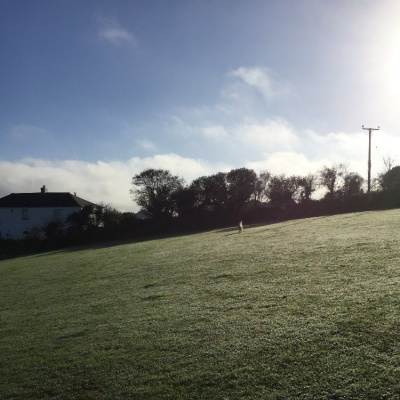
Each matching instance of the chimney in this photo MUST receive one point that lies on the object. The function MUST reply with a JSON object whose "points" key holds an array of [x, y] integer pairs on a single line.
{"points": [[43, 189]]}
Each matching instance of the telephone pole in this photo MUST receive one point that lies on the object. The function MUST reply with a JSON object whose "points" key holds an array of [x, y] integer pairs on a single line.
{"points": [[369, 155]]}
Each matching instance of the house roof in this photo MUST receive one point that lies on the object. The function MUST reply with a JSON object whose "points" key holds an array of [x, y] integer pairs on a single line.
{"points": [[29, 200], [142, 214]]}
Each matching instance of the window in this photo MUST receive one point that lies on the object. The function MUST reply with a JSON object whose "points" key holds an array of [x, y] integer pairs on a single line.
{"points": [[57, 214], [25, 216]]}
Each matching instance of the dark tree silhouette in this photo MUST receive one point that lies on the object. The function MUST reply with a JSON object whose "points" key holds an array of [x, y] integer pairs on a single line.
{"points": [[211, 192], [307, 186], [153, 190], [282, 190], [352, 185], [391, 179], [241, 188], [260, 191]]}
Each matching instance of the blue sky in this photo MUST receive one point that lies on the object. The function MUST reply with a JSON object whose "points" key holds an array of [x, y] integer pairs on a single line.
{"points": [[94, 92]]}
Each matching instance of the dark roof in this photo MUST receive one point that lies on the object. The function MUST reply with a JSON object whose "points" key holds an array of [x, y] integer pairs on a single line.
{"points": [[142, 214], [29, 200]]}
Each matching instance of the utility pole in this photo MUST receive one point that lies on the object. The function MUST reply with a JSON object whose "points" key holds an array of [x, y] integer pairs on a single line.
{"points": [[369, 155]]}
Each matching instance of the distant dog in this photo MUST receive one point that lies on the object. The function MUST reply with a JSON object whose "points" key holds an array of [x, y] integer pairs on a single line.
{"points": [[240, 226]]}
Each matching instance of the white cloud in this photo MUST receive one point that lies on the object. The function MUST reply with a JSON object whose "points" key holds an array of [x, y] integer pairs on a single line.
{"points": [[185, 167], [257, 78], [111, 32], [179, 125], [253, 138], [117, 36], [145, 144], [232, 121], [215, 132], [260, 79], [288, 163], [267, 136], [344, 143]]}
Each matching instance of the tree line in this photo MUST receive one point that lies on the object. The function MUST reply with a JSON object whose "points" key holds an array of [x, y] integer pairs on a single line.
{"points": [[242, 194]]}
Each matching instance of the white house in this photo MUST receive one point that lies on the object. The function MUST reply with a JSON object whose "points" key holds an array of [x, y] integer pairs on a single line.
{"points": [[20, 212]]}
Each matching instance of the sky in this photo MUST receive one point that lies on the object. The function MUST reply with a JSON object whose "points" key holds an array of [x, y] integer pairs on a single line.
{"points": [[94, 92]]}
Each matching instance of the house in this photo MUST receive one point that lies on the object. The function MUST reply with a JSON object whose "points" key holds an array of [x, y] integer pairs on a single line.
{"points": [[20, 212]]}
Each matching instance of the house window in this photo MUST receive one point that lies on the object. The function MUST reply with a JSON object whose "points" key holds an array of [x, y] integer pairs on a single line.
{"points": [[57, 214], [25, 214]]}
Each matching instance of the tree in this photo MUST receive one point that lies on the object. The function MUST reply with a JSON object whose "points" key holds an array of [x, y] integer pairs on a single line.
{"points": [[54, 230], [391, 179], [330, 177], [81, 224], [204, 203], [307, 186], [241, 187], [83, 220], [185, 200], [211, 192], [388, 162], [352, 185], [260, 191], [282, 190], [106, 216], [153, 191]]}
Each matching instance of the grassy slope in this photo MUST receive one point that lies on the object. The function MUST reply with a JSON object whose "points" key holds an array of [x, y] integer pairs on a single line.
{"points": [[302, 309]]}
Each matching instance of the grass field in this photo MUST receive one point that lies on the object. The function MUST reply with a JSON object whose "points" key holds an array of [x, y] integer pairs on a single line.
{"points": [[305, 309]]}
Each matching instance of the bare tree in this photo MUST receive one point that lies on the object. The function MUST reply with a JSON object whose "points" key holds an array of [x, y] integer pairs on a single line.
{"points": [[389, 162]]}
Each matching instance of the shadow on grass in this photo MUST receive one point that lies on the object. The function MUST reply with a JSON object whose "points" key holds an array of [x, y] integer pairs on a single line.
{"points": [[9, 254], [106, 244], [93, 245], [233, 230]]}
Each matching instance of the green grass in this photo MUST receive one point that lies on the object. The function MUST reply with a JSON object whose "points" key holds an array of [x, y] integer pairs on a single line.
{"points": [[305, 309]]}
